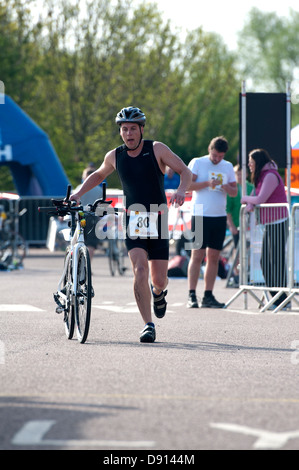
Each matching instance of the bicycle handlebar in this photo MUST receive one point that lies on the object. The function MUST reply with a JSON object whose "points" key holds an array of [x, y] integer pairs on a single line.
{"points": [[63, 207], [68, 193]]}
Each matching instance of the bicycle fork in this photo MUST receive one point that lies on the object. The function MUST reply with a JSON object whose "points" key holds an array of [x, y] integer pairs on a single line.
{"points": [[61, 298]]}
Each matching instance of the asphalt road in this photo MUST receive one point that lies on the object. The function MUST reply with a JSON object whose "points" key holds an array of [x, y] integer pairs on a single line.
{"points": [[214, 379]]}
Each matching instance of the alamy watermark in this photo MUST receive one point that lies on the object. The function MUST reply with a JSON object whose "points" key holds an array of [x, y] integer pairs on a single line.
{"points": [[141, 223]]}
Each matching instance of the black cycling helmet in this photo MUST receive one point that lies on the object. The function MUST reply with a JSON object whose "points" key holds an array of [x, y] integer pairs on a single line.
{"points": [[130, 114]]}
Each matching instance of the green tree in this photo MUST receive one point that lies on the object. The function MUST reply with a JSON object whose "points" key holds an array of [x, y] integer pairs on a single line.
{"points": [[207, 102], [72, 72], [269, 52], [19, 60], [19, 55], [103, 61]]}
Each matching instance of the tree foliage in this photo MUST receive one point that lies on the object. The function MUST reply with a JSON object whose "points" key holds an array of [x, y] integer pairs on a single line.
{"points": [[269, 52], [72, 68]]}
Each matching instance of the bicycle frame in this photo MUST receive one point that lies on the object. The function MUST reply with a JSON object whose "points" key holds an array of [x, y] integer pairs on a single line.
{"points": [[76, 241]]}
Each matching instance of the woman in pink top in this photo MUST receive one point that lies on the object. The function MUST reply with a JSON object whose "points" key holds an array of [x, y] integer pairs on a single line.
{"points": [[269, 189]]}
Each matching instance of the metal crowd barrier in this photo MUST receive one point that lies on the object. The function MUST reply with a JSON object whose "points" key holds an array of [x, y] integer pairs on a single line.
{"points": [[269, 262], [33, 225], [294, 258]]}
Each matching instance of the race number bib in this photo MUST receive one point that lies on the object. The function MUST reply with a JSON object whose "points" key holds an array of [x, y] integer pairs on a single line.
{"points": [[143, 224], [222, 177]]}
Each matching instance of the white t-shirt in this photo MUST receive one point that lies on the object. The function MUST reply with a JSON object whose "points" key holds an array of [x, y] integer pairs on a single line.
{"points": [[210, 202]]}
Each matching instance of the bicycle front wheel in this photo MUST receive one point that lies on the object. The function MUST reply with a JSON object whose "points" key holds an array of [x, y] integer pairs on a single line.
{"points": [[69, 314], [83, 296]]}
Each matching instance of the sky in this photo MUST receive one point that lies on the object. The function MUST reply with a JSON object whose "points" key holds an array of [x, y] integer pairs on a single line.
{"points": [[225, 17]]}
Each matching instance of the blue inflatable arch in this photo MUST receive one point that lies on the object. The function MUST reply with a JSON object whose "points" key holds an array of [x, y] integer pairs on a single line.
{"points": [[26, 149]]}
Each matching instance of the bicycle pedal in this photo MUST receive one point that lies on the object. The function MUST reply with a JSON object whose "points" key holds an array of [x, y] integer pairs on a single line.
{"points": [[60, 307]]}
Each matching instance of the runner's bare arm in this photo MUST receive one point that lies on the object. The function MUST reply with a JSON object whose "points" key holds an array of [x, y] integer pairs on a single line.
{"points": [[167, 158], [106, 168]]}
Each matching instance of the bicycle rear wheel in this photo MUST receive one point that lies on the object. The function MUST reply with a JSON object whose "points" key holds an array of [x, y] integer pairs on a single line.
{"points": [[117, 254], [112, 256], [69, 313], [122, 250], [84, 293]]}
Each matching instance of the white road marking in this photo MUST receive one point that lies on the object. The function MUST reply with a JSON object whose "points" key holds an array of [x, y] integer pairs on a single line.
{"points": [[258, 312], [19, 308], [117, 308], [266, 439], [122, 308], [32, 433], [131, 307]]}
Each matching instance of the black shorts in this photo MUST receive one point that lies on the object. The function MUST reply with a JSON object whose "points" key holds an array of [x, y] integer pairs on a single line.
{"points": [[213, 230], [156, 248]]}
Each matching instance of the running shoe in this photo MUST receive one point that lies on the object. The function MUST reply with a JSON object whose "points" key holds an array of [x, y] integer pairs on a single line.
{"points": [[211, 302], [160, 303], [148, 334], [192, 301]]}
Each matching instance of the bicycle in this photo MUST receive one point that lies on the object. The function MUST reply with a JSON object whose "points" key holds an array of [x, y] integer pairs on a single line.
{"points": [[116, 256], [13, 247], [75, 292]]}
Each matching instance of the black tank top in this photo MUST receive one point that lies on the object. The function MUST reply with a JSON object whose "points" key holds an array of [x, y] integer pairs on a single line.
{"points": [[141, 178]]}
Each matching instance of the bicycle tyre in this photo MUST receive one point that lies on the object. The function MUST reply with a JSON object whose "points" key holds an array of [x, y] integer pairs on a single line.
{"points": [[113, 263], [13, 250], [69, 314], [122, 250], [21, 249], [116, 256], [83, 297]]}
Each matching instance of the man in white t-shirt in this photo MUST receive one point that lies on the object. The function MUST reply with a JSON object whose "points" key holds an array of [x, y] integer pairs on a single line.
{"points": [[213, 179]]}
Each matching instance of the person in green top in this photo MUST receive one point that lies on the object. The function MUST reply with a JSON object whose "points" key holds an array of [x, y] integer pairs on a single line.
{"points": [[233, 206], [234, 203]]}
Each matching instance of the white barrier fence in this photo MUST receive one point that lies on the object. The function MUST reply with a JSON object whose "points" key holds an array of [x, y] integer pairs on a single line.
{"points": [[269, 261]]}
